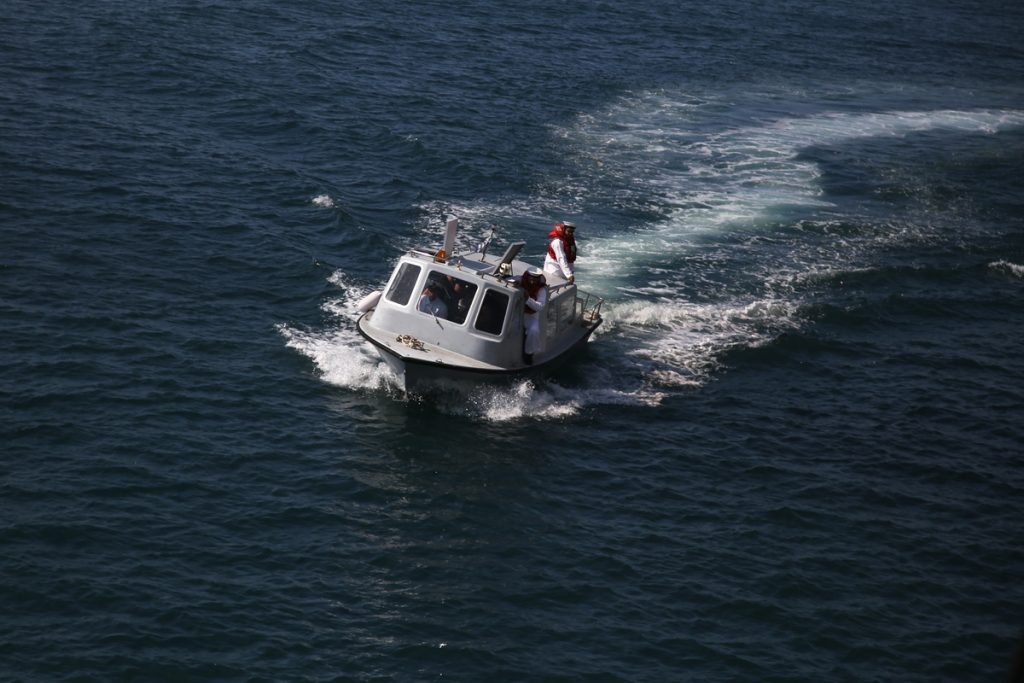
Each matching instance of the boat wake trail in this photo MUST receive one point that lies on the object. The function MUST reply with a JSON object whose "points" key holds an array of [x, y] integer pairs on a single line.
{"points": [[728, 220]]}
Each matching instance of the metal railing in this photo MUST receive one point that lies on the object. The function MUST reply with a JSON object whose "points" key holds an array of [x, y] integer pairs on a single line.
{"points": [[589, 305]]}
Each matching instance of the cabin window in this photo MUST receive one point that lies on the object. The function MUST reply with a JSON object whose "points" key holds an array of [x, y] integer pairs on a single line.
{"points": [[566, 311], [492, 312], [456, 293], [403, 285]]}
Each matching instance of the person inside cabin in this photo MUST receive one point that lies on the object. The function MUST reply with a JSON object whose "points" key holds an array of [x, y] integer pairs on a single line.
{"points": [[561, 257], [536, 293], [431, 302], [456, 295]]}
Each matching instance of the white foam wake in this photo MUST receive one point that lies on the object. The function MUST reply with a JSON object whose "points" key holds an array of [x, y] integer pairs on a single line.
{"points": [[1002, 266], [340, 354], [324, 201], [728, 178], [715, 187]]}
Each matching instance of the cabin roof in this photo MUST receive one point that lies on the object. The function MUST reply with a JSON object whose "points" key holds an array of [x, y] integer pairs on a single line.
{"points": [[471, 264]]}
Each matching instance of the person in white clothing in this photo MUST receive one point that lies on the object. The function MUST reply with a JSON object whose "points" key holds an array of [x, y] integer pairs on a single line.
{"points": [[536, 293], [431, 303], [561, 255]]}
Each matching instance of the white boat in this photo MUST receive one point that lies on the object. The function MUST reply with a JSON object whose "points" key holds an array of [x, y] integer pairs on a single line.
{"points": [[476, 333]]}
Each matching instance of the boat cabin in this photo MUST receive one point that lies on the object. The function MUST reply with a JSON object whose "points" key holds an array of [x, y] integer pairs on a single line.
{"points": [[466, 314]]}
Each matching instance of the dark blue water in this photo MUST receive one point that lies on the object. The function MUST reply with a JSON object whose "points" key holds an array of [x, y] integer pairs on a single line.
{"points": [[793, 452]]}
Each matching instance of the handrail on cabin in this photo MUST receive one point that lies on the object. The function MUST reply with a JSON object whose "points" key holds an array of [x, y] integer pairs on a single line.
{"points": [[588, 312]]}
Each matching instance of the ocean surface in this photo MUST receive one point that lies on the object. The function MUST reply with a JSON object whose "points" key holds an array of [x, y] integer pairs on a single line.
{"points": [[794, 451]]}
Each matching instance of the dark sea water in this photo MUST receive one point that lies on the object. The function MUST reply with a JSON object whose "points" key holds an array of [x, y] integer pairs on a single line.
{"points": [[793, 452]]}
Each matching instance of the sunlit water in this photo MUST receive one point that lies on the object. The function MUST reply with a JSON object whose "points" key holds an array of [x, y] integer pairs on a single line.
{"points": [[792, 451]]}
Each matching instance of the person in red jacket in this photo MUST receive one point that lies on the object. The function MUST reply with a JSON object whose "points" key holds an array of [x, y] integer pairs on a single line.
{"points": [[536, 295], [562, 251]]}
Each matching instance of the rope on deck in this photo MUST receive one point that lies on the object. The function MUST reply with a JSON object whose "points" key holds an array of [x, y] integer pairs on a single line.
{"points": [[410, 341]]}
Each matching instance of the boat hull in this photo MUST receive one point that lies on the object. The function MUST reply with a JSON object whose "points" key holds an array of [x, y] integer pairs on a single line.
{"points": [[419, 372]]}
